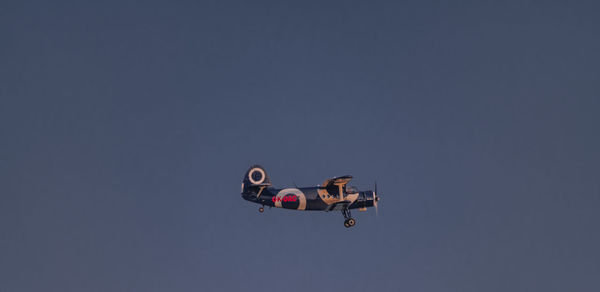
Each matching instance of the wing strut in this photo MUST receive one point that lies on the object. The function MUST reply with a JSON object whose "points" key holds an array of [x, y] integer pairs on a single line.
{"points": [[260, 191]]}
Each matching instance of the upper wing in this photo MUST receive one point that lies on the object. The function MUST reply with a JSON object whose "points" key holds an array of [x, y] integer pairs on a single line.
{"points": [[337, 181]]}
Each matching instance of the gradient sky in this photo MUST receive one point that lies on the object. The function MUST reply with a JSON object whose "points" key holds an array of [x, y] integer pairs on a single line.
{"points": [[126, 128]]}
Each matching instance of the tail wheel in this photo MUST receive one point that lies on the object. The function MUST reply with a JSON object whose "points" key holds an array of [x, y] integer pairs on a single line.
{"points": [[261, 209]]}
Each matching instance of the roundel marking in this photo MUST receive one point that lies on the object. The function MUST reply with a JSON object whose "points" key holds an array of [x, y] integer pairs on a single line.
{"points": [[291, 191], [260, 176]]}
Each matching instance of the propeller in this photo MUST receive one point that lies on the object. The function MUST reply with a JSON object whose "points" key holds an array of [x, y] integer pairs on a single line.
{"points": [[375, 199]]}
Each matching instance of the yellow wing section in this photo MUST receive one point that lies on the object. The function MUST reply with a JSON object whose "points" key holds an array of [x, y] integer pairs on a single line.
{"points": [[337, 181]]}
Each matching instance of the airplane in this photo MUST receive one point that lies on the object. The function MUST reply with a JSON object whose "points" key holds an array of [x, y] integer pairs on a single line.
{"points": [[332, 195]]}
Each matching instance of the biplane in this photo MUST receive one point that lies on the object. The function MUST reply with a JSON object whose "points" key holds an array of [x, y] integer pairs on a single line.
{"points": [[333, 194]]}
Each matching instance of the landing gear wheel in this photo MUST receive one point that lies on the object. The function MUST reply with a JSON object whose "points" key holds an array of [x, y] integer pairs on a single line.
{"points": [[351, 222], [261, 209]]}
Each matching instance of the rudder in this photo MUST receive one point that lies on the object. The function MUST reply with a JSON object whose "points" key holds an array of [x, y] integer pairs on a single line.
{"points": [[255, 178]]}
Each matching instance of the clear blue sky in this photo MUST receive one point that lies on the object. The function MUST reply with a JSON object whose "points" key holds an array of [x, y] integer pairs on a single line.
{"points": [[126, 128]]}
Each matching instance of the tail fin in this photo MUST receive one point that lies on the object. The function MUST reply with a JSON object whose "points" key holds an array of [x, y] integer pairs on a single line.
{"points": [[255, 178]]}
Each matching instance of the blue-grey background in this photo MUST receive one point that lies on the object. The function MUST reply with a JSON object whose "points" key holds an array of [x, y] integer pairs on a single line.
{"points": [[126, 128]]}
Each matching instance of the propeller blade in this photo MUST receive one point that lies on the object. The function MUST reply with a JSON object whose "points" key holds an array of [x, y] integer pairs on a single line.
{"points": [[375, 199]]}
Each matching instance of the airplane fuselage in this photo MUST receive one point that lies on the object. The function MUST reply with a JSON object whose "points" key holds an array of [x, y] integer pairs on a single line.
{"points": [[310, 198]]}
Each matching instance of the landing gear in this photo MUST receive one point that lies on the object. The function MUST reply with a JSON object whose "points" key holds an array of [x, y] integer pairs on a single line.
{"points": [[261, 209], [349, 222]]}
